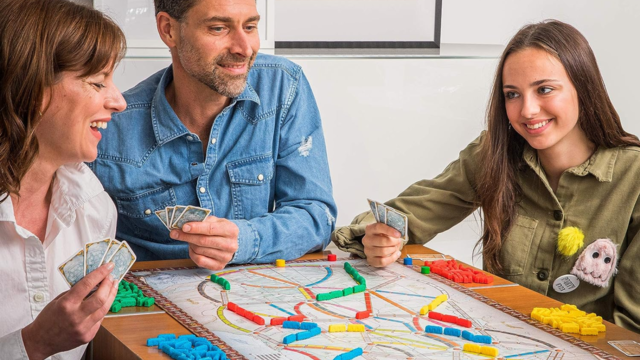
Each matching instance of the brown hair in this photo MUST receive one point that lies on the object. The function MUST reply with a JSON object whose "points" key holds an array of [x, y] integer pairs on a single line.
{"points": [[40, 39], [175, 8], [498, 191]]}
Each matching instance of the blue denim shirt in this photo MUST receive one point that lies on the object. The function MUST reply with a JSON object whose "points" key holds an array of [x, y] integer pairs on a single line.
{"points": [[265, 167]]}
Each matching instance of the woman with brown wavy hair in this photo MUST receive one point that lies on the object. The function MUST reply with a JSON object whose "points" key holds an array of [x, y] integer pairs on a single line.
{"points": [[56, 91], [554, 160]]}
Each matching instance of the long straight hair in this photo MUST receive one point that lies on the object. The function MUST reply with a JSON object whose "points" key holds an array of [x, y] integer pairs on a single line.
{"points": [[39, 40], [498, 190]]}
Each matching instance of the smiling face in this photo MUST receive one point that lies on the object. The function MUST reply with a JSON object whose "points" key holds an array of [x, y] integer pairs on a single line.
{"points": [[218, 42], [68, 131], [540, 100]]}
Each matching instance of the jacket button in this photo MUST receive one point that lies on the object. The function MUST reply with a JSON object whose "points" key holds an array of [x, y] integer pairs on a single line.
{"points": [[260, 177], [543, 275], [557, 214], [147, 212]]}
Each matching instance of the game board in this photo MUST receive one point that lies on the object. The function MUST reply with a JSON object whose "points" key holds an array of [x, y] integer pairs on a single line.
{"points": [[394, 296]]}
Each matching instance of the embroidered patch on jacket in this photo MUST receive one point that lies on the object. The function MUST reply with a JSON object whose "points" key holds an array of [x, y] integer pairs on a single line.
{"points": [[597, 263]]}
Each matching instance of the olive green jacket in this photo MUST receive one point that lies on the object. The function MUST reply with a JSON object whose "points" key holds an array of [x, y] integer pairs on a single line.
{"points": [[601, 197]]}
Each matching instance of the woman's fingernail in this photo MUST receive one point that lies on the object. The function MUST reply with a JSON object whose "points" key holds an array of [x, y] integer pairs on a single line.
{"points": [[398, 253], [110, 266], [186, 228], [174, 234]]}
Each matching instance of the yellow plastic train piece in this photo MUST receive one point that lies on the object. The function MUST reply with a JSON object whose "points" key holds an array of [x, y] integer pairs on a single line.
{"points": [[569, 319], [337, 328], [355, 328]]}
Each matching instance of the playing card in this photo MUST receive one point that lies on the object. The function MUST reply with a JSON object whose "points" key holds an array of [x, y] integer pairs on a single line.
{"points": [[382, 214], [113, 246], [162, 215], [73, 269], [177, 212], [190, 214], [397, 220], [372, 204], [627, 347], [123, 259], [169, 210], [94, 253]]}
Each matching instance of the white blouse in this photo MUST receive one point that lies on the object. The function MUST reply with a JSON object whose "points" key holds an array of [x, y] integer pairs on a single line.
{"points": [[80, 212]]}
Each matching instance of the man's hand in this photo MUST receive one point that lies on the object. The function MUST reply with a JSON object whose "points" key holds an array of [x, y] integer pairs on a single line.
{"points": [[70, 320], [212, 242], [382, 244]]}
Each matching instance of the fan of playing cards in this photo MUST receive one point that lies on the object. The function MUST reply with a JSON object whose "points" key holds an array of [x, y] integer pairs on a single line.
{"points": [[390, 216], [174, 217], [95, 254]]}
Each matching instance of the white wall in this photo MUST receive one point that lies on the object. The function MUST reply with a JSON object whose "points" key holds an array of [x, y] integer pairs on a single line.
{"points": [[422, 112]]}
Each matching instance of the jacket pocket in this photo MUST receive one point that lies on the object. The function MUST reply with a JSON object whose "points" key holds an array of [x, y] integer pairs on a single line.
{"points": [[250, 190], [136, 214], [515, 249]]}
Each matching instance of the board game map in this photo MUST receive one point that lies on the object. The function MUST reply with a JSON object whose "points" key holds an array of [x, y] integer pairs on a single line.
{"points": [[394, 295]]}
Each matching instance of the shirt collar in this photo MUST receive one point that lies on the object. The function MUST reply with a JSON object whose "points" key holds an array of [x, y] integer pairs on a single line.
{"points": [[600, 164], [166, 124], [73, 185]]}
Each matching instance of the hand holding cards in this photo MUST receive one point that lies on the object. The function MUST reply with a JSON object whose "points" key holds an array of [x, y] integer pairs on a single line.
{"points": [[387, 215], [174, 217], [94, 255]]}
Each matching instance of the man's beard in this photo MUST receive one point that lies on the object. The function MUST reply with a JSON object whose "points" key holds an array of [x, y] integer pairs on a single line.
{"points": [[225, 84], [211, 75]]}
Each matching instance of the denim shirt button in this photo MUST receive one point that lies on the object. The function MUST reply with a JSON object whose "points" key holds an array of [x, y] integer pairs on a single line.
{"points": [[260, 177], [202, 190], [194, 163], [213, 141], [147, 212], [190, 138]]}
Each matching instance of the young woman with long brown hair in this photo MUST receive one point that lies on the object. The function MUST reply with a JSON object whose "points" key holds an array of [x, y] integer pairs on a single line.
{"points": [[56, 90], [554, 158]]}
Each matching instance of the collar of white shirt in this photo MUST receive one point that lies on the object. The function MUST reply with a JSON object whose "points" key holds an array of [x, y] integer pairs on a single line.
{"points": [[73, 185]]}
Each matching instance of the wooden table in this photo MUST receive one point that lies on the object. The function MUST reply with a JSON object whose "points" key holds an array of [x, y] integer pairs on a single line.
{"points": [[124, 337]]}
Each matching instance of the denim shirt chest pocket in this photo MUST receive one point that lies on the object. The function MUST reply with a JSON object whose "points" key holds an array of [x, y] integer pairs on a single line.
{"points": [[142, 208], [250, 190]]}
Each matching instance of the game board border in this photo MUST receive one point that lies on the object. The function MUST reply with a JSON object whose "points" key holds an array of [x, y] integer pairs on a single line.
{"points": [[199, 330], [180, 315]]}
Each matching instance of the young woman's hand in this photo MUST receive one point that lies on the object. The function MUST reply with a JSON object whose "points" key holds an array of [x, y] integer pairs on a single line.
{"points": [[72, 318], [382, 244]]}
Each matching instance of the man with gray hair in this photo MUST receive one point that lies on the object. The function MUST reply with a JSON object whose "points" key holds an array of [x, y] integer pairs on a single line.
{"points": [[226, 129]]}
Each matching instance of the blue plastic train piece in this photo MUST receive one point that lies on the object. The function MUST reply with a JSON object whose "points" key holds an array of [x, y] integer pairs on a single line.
{"points": [[484, 339], [433, 329], [467, 335], [307, 325], [291, 325], [349, 355], [289, 339], [452, 331]]}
